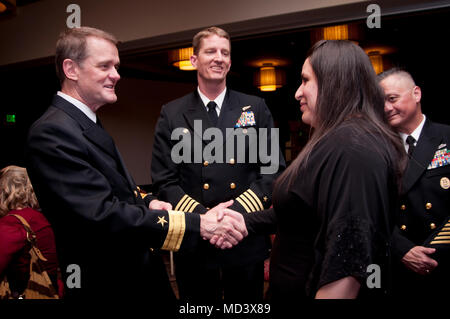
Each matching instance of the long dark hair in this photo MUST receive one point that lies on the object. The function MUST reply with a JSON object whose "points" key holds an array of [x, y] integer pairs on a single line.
{"points": [[347, 88]]}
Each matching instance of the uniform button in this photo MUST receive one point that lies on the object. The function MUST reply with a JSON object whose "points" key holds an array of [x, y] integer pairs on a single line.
{"points": [[428, 206], [244, 131], [135, 193], [232, 161], [403, 227], [205, 163], [185, 131], [403, 207], [232, 185], [206, 186], [432, 226]]}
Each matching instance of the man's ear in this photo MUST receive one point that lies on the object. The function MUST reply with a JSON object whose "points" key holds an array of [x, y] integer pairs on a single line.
{"points": [[70, 68], [417, 94], [194, 60]]}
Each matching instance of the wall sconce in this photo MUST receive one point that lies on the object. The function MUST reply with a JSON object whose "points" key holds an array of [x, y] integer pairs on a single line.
{"points": [[181, 58], [269, 78], [377, 61], [7, 7], [336, 32], [350, 32], [379, 56]]}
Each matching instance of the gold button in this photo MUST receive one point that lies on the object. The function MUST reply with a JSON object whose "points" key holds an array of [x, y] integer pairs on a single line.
{"points": [[432, 226], [205, 163], [232, 161], [232, 185], [403, 207], [185, 131], [403, 227], [428, 206], [244, 131], [205, 186], [135, 193]]}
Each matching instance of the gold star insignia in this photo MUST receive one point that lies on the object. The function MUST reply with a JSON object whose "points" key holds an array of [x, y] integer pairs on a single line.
{"points": [[162, 220], [265, 198]]}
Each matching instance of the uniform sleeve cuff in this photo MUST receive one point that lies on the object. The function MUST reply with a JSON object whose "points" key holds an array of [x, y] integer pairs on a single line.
{"points": [[250, 201]]}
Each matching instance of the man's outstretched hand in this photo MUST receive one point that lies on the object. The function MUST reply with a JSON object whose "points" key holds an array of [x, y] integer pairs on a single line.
{"points": [[225, 227]]}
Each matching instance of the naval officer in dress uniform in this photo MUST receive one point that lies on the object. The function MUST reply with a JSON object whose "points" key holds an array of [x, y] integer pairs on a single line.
{"points": [[102, 224], [421, 240], [228, 172]]}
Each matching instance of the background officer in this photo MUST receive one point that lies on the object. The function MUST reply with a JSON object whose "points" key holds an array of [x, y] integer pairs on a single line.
{"points": [[420, 239]]}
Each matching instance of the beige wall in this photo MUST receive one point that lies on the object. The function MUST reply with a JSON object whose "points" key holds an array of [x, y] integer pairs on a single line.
{"points": [[32, 33], [131, 121]]}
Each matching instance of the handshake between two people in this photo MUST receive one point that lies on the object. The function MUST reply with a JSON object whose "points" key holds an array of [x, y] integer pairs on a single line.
{"points": [[223, 227]]}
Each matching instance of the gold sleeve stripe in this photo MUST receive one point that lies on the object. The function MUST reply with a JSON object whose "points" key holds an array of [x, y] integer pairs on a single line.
{"points": [[175, 234], [445, 228], [185, 204], [443, 233], [177, 208], [188, 207], [250, 202], [261, 206], [440, 242], [447, 225], [243, 205], [441, 237], [193, 207]]}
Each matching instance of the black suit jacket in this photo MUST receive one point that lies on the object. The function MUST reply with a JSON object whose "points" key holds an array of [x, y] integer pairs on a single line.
{"points": [[424, 206], [101, 223], [203, 182]]}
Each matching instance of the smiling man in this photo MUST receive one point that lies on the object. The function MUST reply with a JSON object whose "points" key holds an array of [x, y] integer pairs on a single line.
{"points": [[421, 238], [209, 274], [102, 223]]}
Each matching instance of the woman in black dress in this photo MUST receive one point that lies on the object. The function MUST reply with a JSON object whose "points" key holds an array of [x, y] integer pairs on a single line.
{"points": [[334, 204]]}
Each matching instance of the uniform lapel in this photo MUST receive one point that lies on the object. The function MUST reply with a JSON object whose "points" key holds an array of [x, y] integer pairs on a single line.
{"points": [[94, 133], [196, 111], [423, 154]]}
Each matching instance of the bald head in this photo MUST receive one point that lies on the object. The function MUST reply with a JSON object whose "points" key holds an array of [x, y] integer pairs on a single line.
{"points": [[402, 100]]}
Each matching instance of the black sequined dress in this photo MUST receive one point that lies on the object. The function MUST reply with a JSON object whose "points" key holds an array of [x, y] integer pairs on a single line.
{"points": [[334, 220]]}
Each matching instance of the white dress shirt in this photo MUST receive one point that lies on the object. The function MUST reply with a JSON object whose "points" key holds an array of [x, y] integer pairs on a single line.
{"points": [[219, 100], [415, 134], [80, 105]]}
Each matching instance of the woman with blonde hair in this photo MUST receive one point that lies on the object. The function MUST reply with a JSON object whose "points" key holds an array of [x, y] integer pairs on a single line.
{"points": [[17, 198]]}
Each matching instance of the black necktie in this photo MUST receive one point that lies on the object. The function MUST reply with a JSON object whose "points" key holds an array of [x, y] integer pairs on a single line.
{"points": [[410, 141], [212, 113]]}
